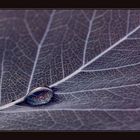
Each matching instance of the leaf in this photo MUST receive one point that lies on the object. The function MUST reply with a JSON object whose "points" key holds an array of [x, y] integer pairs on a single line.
{"points": [[91, 56]]}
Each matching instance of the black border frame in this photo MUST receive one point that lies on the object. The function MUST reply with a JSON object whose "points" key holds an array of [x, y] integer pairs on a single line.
{"points": [[77, 4], [17, 4]]}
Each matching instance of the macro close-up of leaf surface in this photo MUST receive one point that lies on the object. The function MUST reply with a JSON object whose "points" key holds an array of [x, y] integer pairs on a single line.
{"points": [[92, 58]]}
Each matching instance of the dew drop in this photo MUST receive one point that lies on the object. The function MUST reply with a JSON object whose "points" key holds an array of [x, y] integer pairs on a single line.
{"points": [[39, 96]]}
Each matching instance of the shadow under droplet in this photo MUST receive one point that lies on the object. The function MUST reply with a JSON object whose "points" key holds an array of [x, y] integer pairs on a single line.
{"points": [[54, 89]]}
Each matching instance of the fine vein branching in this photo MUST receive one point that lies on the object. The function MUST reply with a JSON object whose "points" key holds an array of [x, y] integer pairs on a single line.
{"points": [[84, 65]]}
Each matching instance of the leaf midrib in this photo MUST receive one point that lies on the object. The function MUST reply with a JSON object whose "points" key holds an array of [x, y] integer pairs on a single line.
{"points": [[95, 58]]}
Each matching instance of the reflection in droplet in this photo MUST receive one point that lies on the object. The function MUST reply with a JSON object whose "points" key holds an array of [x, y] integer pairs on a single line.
{"points": [[39, 96]]}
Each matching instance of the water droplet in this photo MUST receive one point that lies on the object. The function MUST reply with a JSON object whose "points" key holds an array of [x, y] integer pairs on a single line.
{"points": [[39, 96]]}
